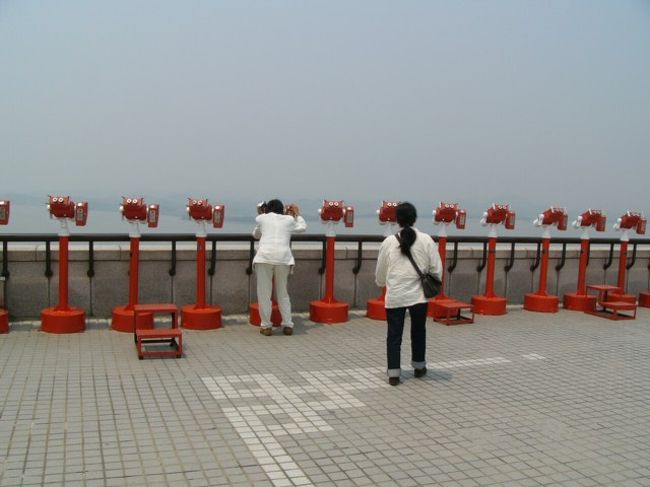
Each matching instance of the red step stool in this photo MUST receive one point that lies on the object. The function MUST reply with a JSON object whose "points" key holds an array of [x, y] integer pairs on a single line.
{"points": [[143, 336], [453, 313]]}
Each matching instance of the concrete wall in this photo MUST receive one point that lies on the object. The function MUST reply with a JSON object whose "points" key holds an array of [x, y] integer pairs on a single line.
{"points": [[28, 290]]}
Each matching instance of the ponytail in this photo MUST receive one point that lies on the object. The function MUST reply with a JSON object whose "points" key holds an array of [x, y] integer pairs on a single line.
{"points": [[406, 216]]}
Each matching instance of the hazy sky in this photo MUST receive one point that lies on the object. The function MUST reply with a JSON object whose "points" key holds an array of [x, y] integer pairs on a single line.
{"points": [[532, 102]]}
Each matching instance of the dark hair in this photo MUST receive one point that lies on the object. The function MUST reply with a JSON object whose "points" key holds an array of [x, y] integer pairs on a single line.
{"points": [[275, 206], [406, 215]]}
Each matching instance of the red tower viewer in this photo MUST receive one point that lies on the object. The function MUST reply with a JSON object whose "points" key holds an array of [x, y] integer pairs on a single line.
{"points": [[135, 212], [328, 309], [541, 301], [64, 318], [202, 316], [489, 303]]}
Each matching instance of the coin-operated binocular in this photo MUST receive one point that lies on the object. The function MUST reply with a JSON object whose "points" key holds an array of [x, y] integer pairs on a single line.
{"points": [[328, 309], [448, 213], [63, 209], [333, 212], [557, 217], [580, 300], [202, 316], [498, 214], [5, 206], [631, 220], [135, 211], [387, 213], [591, 218], [541, 301], [64, 318], [201, 211]]}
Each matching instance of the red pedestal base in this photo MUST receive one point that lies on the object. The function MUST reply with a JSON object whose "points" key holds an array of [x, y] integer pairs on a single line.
{"points": [[123, 320], [254, 315], [540, 303], [579, 302], [326, 312], [626, 298], [493, 305], [4, 321], [434, 310], [71, 320], [644, 299], [376, 309], [207, 318]]}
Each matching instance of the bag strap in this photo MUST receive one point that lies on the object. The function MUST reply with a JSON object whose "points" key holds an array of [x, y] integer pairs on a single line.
{"points": [[415, 266]]}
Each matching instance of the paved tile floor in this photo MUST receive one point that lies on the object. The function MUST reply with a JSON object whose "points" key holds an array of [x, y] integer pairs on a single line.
{"points": [[524, 399]]}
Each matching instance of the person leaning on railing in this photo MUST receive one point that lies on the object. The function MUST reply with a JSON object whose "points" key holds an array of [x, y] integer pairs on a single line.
{"points": [[404, 289], [274, 261]]}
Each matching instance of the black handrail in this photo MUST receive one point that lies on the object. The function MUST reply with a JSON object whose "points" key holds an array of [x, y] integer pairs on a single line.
{"points": [[633, 259], [5, 260], [454, 259], [607, 264], [560, 264], [511, 260], [481, 266], [535, 264], [91, 259], [357, 267], [213, 258]]}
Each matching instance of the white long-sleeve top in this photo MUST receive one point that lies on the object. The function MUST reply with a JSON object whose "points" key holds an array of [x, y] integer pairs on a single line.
{"points": [[395, 271], [274, 232]]}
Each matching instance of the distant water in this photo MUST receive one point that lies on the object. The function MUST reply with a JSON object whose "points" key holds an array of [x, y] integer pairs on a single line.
{"points": [[35, 219]]}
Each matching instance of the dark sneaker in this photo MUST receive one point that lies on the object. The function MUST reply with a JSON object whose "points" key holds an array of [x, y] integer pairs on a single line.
{"points": [[287, 330], [267, 332], [420, 372], [393, 381]]}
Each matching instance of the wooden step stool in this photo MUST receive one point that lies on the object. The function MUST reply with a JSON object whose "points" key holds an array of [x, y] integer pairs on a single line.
{"points": [[173, 335], [453, 313]]}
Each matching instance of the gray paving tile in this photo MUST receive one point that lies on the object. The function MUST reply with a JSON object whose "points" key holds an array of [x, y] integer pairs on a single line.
{"points": [[315, 409]]}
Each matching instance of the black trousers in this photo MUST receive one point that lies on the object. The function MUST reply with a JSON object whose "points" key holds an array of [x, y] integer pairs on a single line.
{"points": [[395, 318]]}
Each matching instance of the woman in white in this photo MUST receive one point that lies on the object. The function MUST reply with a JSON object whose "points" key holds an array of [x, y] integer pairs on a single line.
{"points": [[404, 289], [273, 261]]}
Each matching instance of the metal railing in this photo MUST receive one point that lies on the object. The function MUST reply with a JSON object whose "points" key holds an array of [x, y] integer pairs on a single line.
{"points": [[360, 240]]}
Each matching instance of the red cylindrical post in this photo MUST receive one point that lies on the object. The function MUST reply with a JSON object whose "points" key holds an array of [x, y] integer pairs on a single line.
{"points": [[622, 262], [134, 266], [123, 316], [376, 308], [442, 250], [200, 316], [63, 318], [329, 270], [491, 264], [490, 303], [328, 310], [541, 301], [4, 321], [543, 270], [580, 300], [434, 310], [620, 281], [200, 272], [63, 273]]}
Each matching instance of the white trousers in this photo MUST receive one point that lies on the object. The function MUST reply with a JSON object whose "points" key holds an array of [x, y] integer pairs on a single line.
{"points": [[267, 274]]}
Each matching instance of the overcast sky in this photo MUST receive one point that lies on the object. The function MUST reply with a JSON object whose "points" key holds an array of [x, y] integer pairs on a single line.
{"points": [[529, 102]]}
